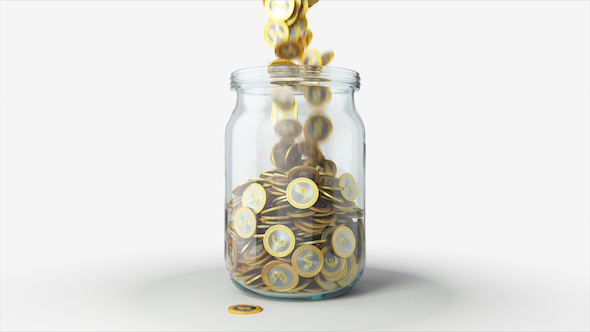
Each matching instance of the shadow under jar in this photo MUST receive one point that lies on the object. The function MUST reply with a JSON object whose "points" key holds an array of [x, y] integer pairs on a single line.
{"points": [[295, 183]]}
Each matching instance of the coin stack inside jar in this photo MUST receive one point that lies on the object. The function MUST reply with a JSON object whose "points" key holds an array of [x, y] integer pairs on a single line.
{"points": [[295, 228]]}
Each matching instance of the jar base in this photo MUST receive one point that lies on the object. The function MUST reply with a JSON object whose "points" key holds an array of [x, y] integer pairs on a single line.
{"points": [[280, 296]]}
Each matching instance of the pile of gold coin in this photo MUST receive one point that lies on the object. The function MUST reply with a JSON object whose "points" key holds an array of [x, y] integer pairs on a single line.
{"points": [[295, 228]]}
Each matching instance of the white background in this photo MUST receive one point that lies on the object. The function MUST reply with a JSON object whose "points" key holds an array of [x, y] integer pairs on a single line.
{"points": [[112, 124]]}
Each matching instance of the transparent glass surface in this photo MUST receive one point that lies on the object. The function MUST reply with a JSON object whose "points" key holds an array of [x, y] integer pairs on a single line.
{"points": [[295, 183]]}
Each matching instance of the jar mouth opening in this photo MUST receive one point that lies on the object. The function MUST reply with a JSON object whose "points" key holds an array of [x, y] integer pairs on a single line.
{"points": [[294, 75]]}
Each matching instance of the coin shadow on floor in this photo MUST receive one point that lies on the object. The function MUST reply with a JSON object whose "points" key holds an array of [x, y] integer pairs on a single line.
{"points": [[385, 299], [375, 280]]}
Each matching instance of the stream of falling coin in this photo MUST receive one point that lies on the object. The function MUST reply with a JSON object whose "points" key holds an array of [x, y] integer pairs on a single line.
{"points": [[295, 228]]}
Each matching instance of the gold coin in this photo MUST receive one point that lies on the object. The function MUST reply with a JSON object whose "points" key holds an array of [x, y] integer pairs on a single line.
{"points": [[361, 232], [327, 57], [242, 270], [343, 241], [244, 249], [274, 223], [254, 197], [345, 206], [333, 265], [325, 214], [289, 49], [244, 309], [277, 155], [253, 279], [302, 24], [245, 222], [232, 254], [317, 128], [307, 260], [312, 2], [312, 289], [297, 223], [260, 263], [294, 33], [322, 206], [279, 240], [293, 156], [280, 190], [276, 32], [330, 196], [293, 16], [276, 208], [279, 199], [279, 276], [284, 259], [270, 172], [317, 95], [349, 191], [303, 40], [239, 189], [310, 150], [255, 253], [283, 68], [329, 167], [310, 72], [277, 114], [279, 10], [288, 128], [274, 218], [309, 34], [305, 172], [325, 284], [311, 57], [314, 242], [278, 180], [303, 9], [303, 282], [302, 193], [324, 219], [283, 98], [263, 288], [350, 278], [234, 202], [327, 234], [300, 213], [342, 273], [310, 224]]}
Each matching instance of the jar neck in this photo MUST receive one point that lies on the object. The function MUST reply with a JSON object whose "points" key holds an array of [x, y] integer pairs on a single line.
{"points": [[262, 79]]}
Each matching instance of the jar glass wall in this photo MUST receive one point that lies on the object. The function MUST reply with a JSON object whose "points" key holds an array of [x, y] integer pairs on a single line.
{"points": [[295, 183]]}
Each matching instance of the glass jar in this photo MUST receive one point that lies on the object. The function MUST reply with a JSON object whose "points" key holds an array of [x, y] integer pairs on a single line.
{"points": [[295, 183]]}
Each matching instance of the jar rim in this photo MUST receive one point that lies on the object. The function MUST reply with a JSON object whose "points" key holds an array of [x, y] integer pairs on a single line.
{"points": [[298, 74]]}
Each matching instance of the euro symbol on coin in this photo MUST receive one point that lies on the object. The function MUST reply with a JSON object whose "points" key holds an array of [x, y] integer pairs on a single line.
{"points": [[255, 198], [246, 221], [342, 241], [331, 262], [278, 275], [280, 243], [307, 261], [303, 192]]}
